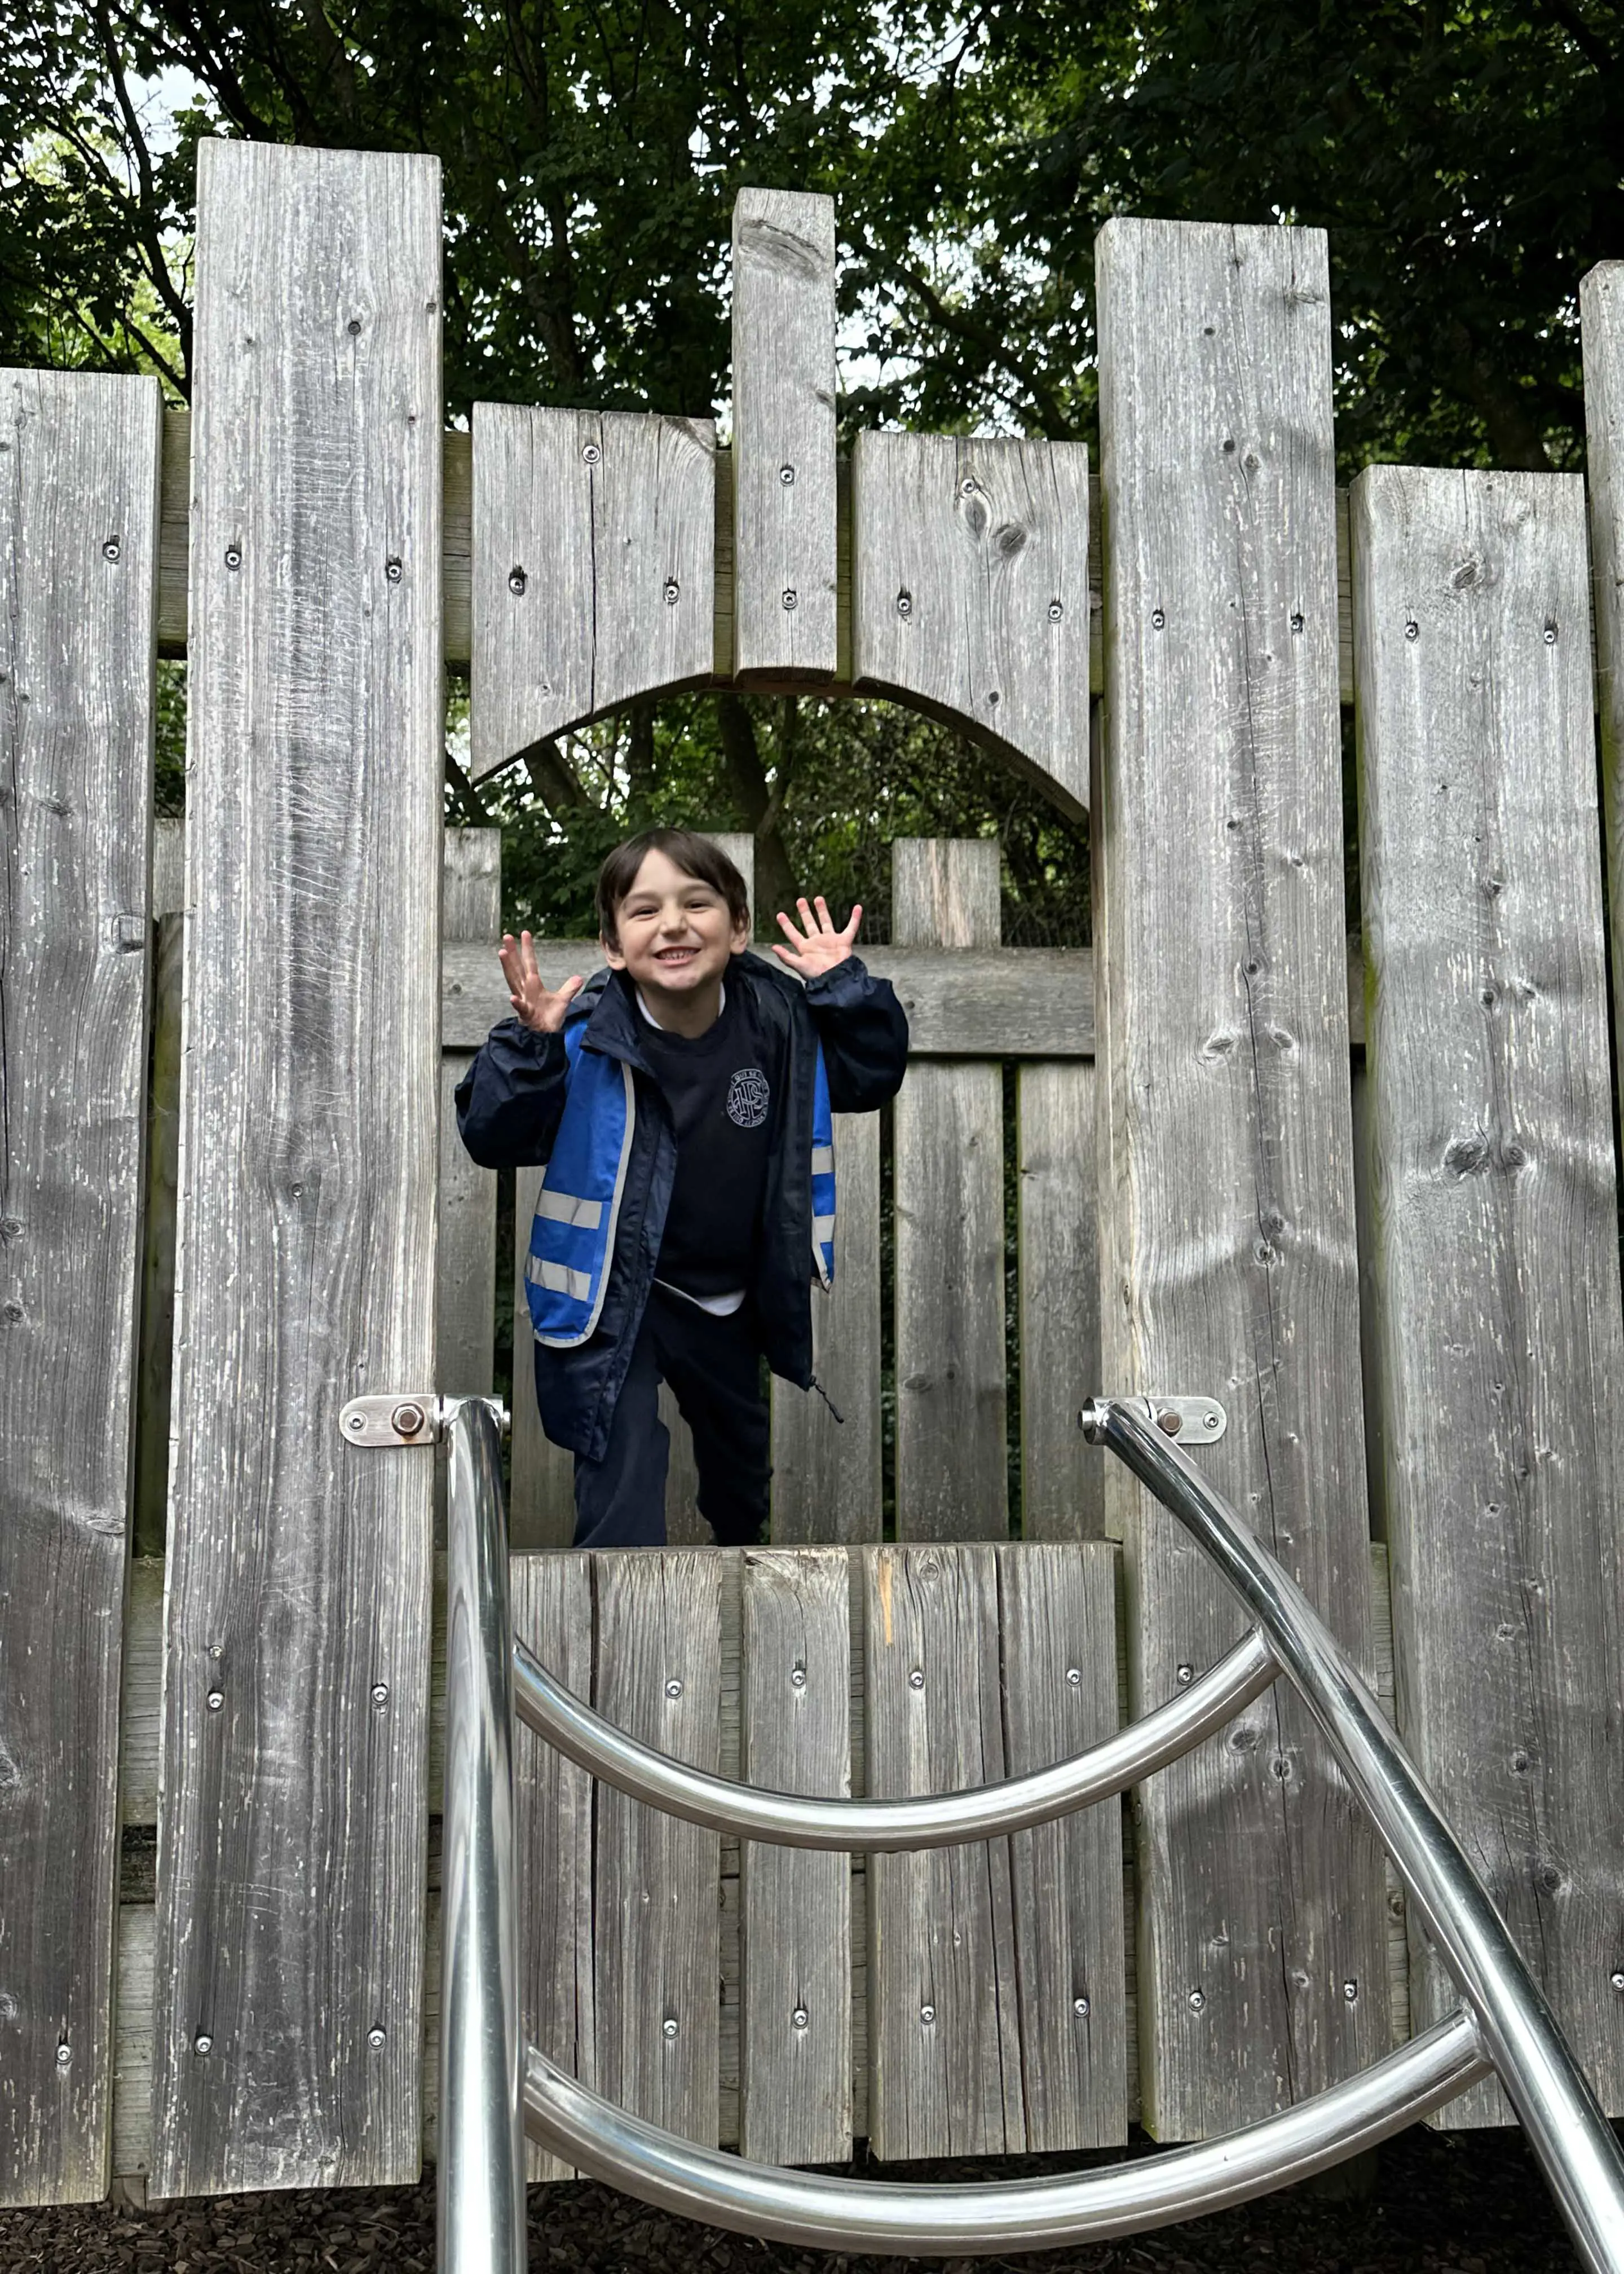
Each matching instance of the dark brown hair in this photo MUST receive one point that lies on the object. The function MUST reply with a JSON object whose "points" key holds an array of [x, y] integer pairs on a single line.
{"points": [[695, 856]]}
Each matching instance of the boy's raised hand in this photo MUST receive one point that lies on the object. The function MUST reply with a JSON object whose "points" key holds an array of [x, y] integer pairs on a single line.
{"points": [[534, 1005], [819, 946]]}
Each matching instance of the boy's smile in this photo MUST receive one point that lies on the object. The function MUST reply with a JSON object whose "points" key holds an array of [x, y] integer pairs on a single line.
{"points": [[674, 939]]}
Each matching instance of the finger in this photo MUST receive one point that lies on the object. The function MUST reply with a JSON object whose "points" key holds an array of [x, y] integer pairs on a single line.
{"points": [[789, 929], [824, 922], [785, 956], [806, 918], [850, 933], [572, 987]]}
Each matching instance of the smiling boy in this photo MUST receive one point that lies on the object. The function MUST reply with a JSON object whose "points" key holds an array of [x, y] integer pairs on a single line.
{"points": [[680, 1101]]}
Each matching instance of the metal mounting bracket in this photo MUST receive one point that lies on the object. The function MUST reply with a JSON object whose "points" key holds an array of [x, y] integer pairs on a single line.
{"points": [[404, 1417], [1192, 1421]]}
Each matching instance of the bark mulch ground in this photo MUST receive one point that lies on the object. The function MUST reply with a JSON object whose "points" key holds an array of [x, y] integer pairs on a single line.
{"points": [[1471, 2203]]}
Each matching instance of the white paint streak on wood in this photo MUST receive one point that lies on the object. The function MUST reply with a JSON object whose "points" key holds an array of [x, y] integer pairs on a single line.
{"points": [[292, 1816], [1501, 1340], [1226, 1163], [79, 575], [593, 568], [783, 435], [970, 595]]}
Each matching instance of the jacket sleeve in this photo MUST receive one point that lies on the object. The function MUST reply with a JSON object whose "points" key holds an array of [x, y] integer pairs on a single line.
{"points": [[864, 1031], [511, 1100]]}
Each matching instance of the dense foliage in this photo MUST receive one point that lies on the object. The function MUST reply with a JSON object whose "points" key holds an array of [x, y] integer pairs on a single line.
{"points": [[1467, 157]]}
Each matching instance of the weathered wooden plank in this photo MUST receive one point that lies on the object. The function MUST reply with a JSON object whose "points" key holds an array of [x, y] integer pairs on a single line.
{"points": [[1057, 1623], [154, 1364], [465, 1280], [1062, 1479], [795, 2052], [592, 568], [1601, 304], [783, 435], [943, 2025], [292, 1815], [541, 1490], [553, 1833], [656, 1950], [827, 1475], [457, 544], [79, 575], [970, 591], [1500, 1338], [1231, 1264], [169, 867], [952, 1473]]}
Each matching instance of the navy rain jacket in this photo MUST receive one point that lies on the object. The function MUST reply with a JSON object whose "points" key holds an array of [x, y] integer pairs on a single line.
{"points": [[510, 1101]]}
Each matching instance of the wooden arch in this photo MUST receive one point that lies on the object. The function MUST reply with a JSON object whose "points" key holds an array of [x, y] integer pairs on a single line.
{"points": [[623, 555]]}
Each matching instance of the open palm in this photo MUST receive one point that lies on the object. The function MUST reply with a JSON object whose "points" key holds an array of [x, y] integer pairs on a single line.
{"points": [[817, 946]]}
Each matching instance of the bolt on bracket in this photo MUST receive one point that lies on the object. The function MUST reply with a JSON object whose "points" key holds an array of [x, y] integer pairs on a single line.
{"points": [[1189, 1421], [402, 1417]]}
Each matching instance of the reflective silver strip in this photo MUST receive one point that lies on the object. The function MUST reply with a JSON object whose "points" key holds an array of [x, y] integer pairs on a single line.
{"points": [[822, 1160], [569, 1342], [566, 1207], [559, 1279], [823, 1227]]}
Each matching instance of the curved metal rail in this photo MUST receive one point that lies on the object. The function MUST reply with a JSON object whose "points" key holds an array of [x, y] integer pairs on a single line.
{"points": [[882, 1827], [1506, 2023], [837, 2214]]}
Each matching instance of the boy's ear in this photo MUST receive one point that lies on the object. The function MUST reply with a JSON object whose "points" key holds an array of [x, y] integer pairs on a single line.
{"points": [[613, 956], [741, 935]]}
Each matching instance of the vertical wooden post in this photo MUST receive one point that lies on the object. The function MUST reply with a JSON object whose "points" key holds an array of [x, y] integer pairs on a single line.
{"points": [[952, 1472], [292, 1816], [79, 590], [1062, 1478], [1500, 1346], [783, 435], [465, 1281], [1226, 1162], [1601, 300]]}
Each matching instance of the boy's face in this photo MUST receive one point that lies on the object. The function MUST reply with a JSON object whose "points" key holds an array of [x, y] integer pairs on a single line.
{"points": [[675, 935]]}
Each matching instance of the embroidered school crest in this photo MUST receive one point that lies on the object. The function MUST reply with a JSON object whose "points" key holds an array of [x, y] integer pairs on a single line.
{"points": [[747, 1096]]}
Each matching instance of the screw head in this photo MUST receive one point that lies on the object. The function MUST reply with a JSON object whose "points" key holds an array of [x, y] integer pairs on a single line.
{"points": [[787, 475], [673, 1689], [381, 1693], [591, 453], [1209, 1420], [904, 604], [1412, 630], [1197, 2000], [392, 569], [927, 2014], [1157, 619], [1074, 1675], [110, 552], [354, 326], [1170, 1421], [234, 556], [1056, 609], [1297, 621], [1186, 1676], [377, 2035], [798, 2018], [916, 1679], [792, 599], [798, 1677], [203, 2043], [64, 2054], [1080, 2007], [1617, 1983], [517, 579], [966, 488], [668, 2027], [214, 1700], [1551, 634], [1350, 1991], [673, 591], [355, 1424], [407, 1421]]}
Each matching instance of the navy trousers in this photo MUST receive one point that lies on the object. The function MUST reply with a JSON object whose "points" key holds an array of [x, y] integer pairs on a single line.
{"points": [[713, 1369]]}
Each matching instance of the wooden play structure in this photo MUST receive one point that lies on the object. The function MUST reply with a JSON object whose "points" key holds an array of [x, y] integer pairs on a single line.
{"points": [[1360, 1192]]}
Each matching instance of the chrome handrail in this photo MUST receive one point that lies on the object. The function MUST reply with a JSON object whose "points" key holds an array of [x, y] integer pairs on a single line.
{"points": [[480, 2209], [882, 1827], [855, 2215], [1566, 2127]]}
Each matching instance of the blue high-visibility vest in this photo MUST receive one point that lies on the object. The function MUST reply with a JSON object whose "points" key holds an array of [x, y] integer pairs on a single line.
{"points": [[572, 1235]]}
